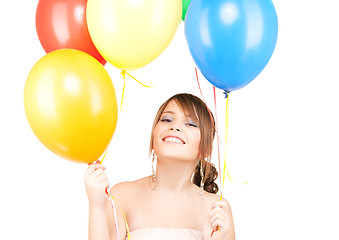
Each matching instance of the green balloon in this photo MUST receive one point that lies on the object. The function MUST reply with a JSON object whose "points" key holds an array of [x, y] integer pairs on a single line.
{"points": [[185, 4]]}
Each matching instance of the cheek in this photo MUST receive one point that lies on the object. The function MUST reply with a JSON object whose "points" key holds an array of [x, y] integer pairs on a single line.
{"points": [[155, 131], [196, 138], [155, 135]]}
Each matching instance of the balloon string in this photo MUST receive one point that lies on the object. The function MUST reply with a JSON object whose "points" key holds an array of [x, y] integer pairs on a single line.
{"points": [[115, 216], [218, 145], [209, 112], [104, 156], [123, 73], [123, 213], [214, 125], [226, 137], [134, 79], [213, 231], [113, 205], [123, 89], [223, 174], [216, 130]]}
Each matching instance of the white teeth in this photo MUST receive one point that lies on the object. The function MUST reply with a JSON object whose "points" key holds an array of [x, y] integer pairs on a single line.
{"points": [[173, 140]]}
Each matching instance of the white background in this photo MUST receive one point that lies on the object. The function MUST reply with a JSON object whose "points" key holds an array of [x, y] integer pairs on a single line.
{"points": [[283, 132]]}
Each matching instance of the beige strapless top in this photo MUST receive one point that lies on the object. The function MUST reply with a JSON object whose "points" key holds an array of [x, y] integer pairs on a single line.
{"points": [[166, 234]]}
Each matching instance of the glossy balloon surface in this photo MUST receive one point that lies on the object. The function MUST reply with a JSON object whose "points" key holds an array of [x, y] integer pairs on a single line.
{"points": [[185, 4], [70, 104], [231, 41], [131, 33], [62, 24]]}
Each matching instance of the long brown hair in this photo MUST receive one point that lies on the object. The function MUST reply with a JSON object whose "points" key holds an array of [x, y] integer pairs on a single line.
{"points": [[197, 109]]}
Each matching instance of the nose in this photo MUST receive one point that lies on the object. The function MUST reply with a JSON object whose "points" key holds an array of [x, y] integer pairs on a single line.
{"points": [[176, 129]]}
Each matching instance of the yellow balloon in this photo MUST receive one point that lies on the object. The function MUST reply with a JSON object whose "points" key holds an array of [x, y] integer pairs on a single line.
{"points": [[131, 33], [70, 104]]}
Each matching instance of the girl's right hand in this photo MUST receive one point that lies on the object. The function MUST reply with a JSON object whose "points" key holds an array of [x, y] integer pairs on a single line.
{"points": [[96, 183]]}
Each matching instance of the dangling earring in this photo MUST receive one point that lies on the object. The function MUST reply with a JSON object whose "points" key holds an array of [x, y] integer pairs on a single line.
{"points": [[154, 174], [202, 181]]}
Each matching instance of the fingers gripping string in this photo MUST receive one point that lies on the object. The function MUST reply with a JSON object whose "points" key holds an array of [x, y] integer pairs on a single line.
{"points": [[213, 231], [113, 205]]}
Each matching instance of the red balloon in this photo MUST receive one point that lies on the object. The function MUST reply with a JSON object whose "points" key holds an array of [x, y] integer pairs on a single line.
{"points": [[62, 24]]}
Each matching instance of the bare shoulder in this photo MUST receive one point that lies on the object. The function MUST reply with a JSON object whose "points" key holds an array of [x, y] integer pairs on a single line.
{"points": [[126, 189], [120, 188], [212, 198]]}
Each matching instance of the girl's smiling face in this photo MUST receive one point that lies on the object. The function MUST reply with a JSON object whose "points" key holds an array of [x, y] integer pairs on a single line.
{"points": [[176, 135]]}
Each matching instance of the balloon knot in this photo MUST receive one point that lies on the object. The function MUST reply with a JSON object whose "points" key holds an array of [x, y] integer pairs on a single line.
{"points": [[123, 73], [226, 94]]}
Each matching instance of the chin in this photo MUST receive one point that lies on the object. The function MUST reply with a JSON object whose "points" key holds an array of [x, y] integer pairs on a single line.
{"points": [[176, 156]]}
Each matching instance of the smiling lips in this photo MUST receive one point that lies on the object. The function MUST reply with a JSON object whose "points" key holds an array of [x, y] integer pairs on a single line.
{"points": [[173, 139]]}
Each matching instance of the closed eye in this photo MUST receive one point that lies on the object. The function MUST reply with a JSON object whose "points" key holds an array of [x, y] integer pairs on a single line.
{"points": [[192, 124], [166, 120]]}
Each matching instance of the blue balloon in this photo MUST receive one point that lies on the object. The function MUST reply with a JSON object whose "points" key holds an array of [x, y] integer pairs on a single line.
{"points": [[231, 41]]}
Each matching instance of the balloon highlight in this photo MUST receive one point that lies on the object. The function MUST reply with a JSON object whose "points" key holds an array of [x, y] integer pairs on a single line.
{"points": [[131, 34], [62, 24], [70, 104], [231, 41]]}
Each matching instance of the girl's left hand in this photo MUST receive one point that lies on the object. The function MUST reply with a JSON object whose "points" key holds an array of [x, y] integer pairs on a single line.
{"points": [[219, 222]]}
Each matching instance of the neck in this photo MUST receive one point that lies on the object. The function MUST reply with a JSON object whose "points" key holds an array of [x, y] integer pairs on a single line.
{"points": [[174, 176]]}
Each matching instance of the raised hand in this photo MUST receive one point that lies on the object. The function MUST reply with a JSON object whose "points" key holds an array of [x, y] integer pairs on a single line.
{"points": [[219, 223], [96, 183]]}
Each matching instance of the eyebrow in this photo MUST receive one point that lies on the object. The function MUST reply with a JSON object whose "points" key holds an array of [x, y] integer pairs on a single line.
{"points": [[172, 112]]}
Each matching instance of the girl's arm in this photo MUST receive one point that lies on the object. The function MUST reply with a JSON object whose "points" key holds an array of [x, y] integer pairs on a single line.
{"points": [[98, 225], [96, 183], [102, 224]]}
